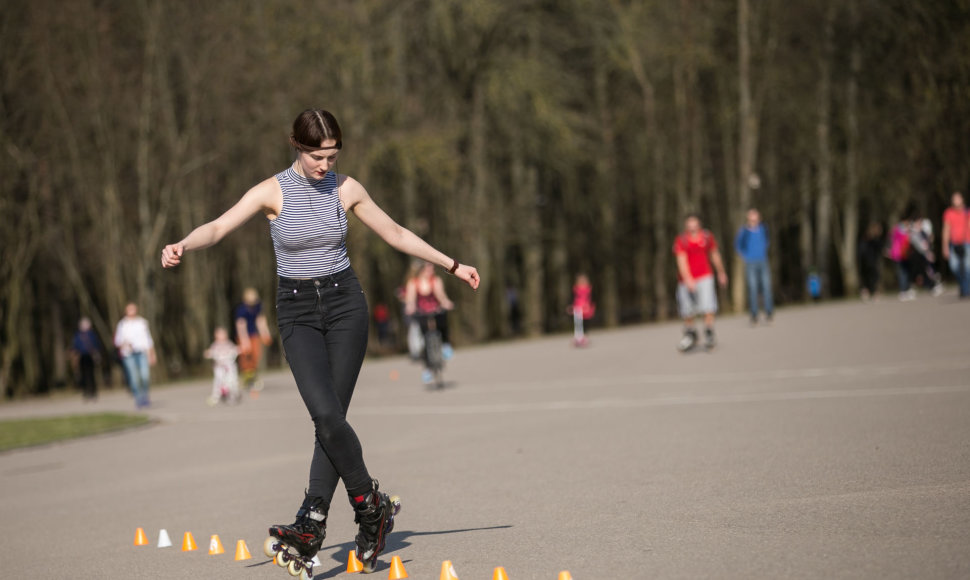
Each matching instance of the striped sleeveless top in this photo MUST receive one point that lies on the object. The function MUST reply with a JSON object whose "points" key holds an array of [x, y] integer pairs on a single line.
{"points": [[310, 233]]}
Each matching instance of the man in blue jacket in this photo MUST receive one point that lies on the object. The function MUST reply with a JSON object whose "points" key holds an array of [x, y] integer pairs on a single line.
{"points": [[752, 245]]}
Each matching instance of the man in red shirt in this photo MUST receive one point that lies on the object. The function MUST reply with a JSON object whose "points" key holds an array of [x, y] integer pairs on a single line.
{"points": [[956, 241], [696, 250]]}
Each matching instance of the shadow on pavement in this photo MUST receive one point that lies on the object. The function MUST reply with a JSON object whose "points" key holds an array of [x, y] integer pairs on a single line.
{"points": [[398, 540]]}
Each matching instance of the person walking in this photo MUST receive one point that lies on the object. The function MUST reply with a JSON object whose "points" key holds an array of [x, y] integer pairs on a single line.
{"points": [[956, 241], [870, 261], [696, 251], [252, 334], [752, 245], [136, 348], [898, 251], [922, 263], [86, 349], [322, 318]]}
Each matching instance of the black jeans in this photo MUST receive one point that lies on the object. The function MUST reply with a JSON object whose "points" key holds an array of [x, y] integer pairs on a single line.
{"points": [[89, 388], [323, 326]]}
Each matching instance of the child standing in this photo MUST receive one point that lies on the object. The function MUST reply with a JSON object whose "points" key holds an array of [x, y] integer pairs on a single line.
{"points": [[225, 380], [582, 308]]}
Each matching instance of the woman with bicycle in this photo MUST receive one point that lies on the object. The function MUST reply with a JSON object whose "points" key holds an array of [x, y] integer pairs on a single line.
{"points": [[322, 316], [425, 300]]}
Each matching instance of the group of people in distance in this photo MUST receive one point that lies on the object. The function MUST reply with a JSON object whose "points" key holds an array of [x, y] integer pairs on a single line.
{"points": [[134, 349], [232, 361], [700, 266], [700, 269]]}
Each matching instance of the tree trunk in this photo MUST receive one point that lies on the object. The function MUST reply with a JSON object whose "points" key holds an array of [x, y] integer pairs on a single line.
{"points": [[478, 240], [805, 233], [823, 208], [533, 279], [606, 195], [652, 207], [747, 140], [848, 254]]}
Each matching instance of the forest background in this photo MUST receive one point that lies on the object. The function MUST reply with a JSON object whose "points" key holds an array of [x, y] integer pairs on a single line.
{"points": [[535, 139]]}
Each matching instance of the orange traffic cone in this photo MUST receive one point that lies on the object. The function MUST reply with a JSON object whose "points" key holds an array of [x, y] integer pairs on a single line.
{"points": [[140, 538], [242, 551], [448, 571], [397, 569], [353, 564], [565, 575], [215, 546], [188, 542], [500, 574]]}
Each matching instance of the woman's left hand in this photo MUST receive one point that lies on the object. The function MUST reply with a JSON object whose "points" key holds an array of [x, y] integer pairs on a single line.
{"points": [[469, 274]]}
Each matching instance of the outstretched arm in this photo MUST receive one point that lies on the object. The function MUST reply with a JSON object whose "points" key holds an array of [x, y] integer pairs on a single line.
{"points": [[356, 199], [262, 197]]}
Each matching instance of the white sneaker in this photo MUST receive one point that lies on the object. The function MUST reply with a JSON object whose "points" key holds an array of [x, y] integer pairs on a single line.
{"points": [[907, 295], [937, 290]]}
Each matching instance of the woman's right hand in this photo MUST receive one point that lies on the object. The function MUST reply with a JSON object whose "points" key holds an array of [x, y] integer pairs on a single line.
{"points": [[172, 255]]}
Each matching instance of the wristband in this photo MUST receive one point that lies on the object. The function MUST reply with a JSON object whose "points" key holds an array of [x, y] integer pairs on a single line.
{"points": [[453, 268]]}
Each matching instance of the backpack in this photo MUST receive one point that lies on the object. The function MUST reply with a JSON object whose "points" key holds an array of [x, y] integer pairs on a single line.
{"points": [[898, 244]]}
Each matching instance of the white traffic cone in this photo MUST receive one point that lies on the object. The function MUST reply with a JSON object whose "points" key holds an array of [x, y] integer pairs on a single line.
{"points": [[163, 540]]}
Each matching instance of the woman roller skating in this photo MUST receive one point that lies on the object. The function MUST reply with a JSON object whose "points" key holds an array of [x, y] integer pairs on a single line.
{"points": [[322, 316]]}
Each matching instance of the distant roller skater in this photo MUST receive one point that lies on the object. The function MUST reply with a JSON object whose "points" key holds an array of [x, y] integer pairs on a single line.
{"points": [[696, 250], [323, 324]]}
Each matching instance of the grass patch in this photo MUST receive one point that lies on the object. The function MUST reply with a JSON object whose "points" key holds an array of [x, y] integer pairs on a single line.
{"points": [[16, 433]]}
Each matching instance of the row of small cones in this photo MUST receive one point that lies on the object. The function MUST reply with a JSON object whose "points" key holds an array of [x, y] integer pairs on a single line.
{"points": [[188, 543], [448, 573], [396, 572]]}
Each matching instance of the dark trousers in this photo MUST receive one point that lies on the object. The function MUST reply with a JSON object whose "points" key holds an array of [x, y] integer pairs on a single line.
{"points": [[89, 388], [323, 327], [440, 323]]}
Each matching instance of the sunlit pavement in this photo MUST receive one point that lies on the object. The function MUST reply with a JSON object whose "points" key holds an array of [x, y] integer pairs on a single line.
{"points": [[834, 443]]}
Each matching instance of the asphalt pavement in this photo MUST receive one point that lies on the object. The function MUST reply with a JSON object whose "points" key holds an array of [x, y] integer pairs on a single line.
{"points": [[834, 443]]}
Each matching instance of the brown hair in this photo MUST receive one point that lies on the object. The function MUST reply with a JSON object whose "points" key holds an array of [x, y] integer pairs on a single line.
{"points": [[314, 126]]}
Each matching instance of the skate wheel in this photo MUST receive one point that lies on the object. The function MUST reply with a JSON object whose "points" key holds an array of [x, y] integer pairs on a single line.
{"points": [[269, 547], [395, 503], [305, 574], [295, 567], [282, 558]]}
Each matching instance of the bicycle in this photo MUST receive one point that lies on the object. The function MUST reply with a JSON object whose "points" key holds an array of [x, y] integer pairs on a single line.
{"points": [[434, 357]]}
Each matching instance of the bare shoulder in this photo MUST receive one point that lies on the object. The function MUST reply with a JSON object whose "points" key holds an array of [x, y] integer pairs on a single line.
{"points": [[269, 195], [267, 186], [351, 191]]}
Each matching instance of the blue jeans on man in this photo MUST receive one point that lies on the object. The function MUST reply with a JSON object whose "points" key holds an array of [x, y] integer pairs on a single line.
{"points": [[757, 275], [960, 266], [137, 374]]}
